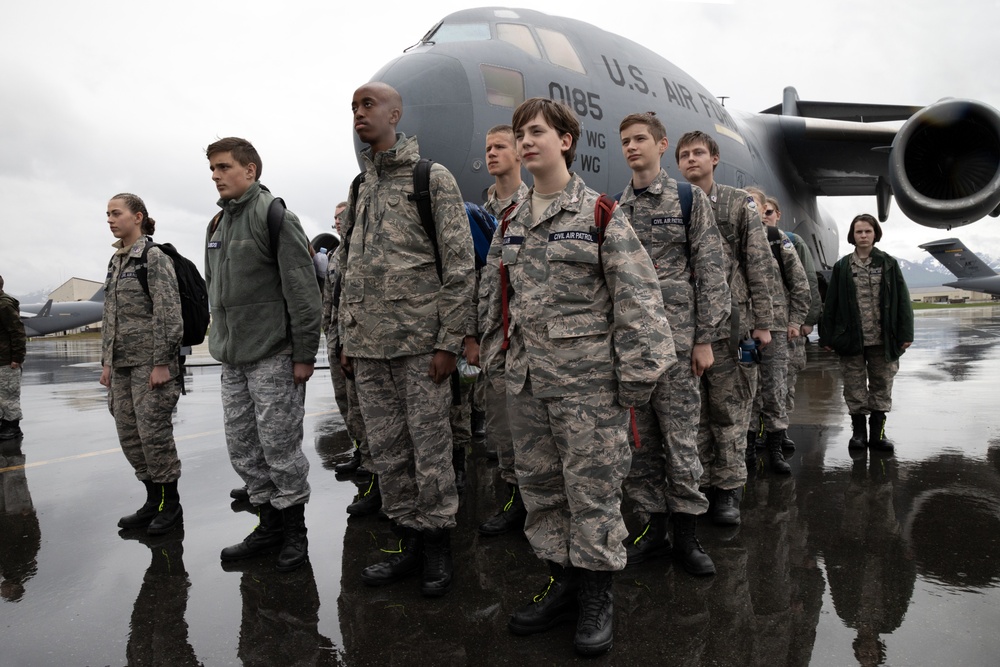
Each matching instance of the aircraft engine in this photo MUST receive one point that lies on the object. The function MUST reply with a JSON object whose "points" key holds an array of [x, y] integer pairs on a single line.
{"points": [[944, 167]]}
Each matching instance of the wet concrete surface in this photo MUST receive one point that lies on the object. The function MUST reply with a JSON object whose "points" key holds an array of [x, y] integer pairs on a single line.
{"points": [[871, 561]]}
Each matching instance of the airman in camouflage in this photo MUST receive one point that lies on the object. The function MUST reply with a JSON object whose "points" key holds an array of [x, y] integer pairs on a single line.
{"points": [[13, 346], [140, 340], [402, 325], [588, 338], [687, 254], [727, 387], [504, 165], [797, 346]]}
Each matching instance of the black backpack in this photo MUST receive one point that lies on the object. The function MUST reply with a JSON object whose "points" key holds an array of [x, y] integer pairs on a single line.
{"points": [[192, 288]]}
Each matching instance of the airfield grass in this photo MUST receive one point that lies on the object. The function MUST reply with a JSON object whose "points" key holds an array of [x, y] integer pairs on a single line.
{"points": [[939, 306]]}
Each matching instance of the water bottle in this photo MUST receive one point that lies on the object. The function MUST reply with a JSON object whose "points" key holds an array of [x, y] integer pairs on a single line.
{"points": [[748, 351]]}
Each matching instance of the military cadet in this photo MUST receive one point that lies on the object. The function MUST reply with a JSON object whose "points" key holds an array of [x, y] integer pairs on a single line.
{"points": [[791, 300], [868, 321], [266, 317], [140, 341], [797, 345], [727, 387], [666, 470], [504, 164], [13, 347], [586, 338], [402, 325]]}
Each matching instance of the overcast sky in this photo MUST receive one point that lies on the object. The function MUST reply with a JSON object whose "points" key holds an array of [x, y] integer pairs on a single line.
{"points": [[103, 97]]}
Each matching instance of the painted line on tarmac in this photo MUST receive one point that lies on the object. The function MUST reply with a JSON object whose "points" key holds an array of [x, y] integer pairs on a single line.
{"points": [[77, 457]]}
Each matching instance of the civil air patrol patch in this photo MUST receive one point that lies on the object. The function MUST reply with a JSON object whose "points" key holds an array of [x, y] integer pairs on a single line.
{"points": [[572, 236], [657, 222]]}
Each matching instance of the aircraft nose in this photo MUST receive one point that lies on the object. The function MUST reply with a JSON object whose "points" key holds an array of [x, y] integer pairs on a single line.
{"points": [[437, 105]]}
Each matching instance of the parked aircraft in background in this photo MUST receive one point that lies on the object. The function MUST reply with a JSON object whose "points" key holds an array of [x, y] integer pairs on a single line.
{"points": [[54, 316], [472, 69], [972, 272]]}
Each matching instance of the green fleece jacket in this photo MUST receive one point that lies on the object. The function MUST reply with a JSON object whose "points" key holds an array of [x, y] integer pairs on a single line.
{"points": [[12, 340], [261, 305], [840, 328]]}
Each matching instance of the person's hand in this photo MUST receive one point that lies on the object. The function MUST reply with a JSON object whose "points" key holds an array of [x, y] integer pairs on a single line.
{"points": [[793, 332], [906, 345], [702, 358], [763, 336], [347, 366], [442, 366], [472, 351], [805, 330], [106, 376], [301, 372], [159, 377]]}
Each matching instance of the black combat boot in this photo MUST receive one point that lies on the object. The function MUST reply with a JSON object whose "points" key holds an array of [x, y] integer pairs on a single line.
{"points": [[241, 494], [144, 514], [774, 453], [402, 562], [295, 544], [458, 463], [10, 429], [437, 563], [859, 433], [726, 508], [687, 548], [760, 435], [351, 466], [556, 603], [267, 536], [478, 423], [786, 442], [369, 498], [169, 511], [877, 440], [651, 541], [595, 624], [510, 517]]}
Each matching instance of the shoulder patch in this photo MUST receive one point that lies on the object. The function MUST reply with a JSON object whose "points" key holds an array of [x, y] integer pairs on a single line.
{"points": [[751, 202], [786, 243]]}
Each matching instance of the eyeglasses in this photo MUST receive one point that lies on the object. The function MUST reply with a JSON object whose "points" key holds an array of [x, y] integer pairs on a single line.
{"points": [[768, 211]]}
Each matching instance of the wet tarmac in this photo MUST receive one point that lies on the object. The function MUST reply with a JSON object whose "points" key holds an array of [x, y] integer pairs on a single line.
{"points": [[871, 561]]}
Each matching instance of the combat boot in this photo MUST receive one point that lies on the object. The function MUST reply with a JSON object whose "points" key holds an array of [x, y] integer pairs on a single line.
{"points": [[369, 498], [437, 563], [478, 423], [295, 544], [652, 541], [10, 429], [750, 457], [726, 508], [349, 467], [510, 517], [859, 433], [169, 512], [688, 550], [877, 440], [145, 514], [786, 442], [267, 536], [774, 453], [402, 562], [556, 603], [595, 625], [240, 494]]}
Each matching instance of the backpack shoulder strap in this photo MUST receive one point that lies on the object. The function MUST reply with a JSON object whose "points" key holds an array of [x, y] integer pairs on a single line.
{"points": [[348, 230], [603, 210], [422, 197], [275, 218], [142, 272], [686, 198]]}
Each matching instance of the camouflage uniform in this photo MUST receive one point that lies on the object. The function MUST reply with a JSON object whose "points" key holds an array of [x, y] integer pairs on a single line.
{"points": [[266, 317], [395, 312], [727, 387], [586, 324], [139, 331], [13, 347], [666, 470], [797, 346], [498, 437], [791, 305], [345, 390]]}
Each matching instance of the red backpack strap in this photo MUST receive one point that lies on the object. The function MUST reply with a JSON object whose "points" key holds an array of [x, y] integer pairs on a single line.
{"points": [[505, 279], [603, 210]]}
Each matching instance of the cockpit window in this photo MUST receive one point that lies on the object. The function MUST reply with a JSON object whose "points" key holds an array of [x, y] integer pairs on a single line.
{"points": [[559, 50], [519, 36], [459, 32], [504, 87]]}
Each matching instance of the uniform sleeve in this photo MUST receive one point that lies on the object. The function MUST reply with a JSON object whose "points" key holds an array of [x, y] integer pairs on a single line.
{"points": [[708, 260], [644, 346], [300, 290], [829, 317], [758, 267], [815, 302], [342, 256], [455, 310], [168, 325], [490, 303], [106, 334], [10, 320], [798, 285]]}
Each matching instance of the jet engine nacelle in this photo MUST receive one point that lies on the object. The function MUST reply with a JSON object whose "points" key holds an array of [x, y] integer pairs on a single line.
{"points": [[944, 167]]}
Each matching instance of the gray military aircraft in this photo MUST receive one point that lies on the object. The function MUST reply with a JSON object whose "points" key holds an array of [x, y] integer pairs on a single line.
{"points": [[40, 319], [472, 69], [972, 272]]}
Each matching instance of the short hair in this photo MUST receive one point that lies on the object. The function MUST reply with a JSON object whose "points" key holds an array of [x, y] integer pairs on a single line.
{"points": [[870, 219], [648, 119], [500, 129], [134, 204], [695, 137], [556, 114], [773, 202], [241, 150]]}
